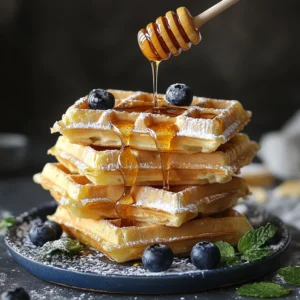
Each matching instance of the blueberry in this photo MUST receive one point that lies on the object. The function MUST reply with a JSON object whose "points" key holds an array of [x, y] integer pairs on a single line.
{"points": [[101, 99], [179, 94], [17, 294], [157, 258], [40, 234], [205, 256], [54, 226]]}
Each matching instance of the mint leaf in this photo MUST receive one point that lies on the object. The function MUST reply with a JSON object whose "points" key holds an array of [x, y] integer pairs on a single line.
{"points": [[291, 275], [255, 253], [227, 252], [64, 245], [251, 246], [7, 222], [263, 290], [256, 238], [234, 261]]}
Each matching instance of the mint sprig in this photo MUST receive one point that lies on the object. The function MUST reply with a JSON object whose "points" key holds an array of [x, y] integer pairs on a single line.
{"points": [[263, 290], [7, 222], [227, 253], [255, 253], [290, 275], [251, 245], [63, 245]]}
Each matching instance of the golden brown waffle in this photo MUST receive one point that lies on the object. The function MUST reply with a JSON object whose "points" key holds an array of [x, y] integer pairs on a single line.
{"points": [[258, 194], [142, 203], [257, 174], [123, 241], [288, 188], [181, 203], [102, 168], [203, 126], [75, 192]]}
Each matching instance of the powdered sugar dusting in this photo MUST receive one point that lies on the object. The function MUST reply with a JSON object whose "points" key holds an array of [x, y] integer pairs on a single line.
{"points": [[3, 278], [50, 293]]}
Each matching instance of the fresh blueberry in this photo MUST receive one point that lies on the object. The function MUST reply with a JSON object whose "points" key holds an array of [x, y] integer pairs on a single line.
{"points": [[41, 234], [157, 258], [101, 99], [17, 294], [179, 94], [54, 226], [205, 256]]}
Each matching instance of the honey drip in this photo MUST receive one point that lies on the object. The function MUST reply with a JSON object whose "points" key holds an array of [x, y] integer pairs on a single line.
{"points": [[154, 66], [169, 111], [162, 136], [127, 164]]}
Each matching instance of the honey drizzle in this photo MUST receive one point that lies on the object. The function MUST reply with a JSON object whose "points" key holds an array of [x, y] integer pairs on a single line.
{"points": [[154, 66], [162, 139], [164, 156], [127, 164]]}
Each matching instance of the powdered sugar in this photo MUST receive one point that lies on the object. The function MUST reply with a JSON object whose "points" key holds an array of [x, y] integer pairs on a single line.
{"points": [[3, 278]]}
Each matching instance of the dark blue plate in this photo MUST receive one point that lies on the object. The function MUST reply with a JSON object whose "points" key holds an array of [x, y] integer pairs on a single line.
{"points": [[111, 277]]}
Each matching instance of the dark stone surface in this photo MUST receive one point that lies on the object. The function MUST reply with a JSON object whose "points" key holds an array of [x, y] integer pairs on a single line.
{"points": [[21, 194]]}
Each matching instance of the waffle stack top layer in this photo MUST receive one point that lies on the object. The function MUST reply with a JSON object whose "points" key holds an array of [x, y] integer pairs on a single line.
{"points": [[201, 127]]}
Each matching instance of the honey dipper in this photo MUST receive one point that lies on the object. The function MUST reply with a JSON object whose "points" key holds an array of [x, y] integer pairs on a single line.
{"points": [[175, 32]]}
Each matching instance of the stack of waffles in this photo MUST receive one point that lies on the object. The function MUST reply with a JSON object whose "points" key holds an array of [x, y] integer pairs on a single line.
{"points": [[136, 175]]}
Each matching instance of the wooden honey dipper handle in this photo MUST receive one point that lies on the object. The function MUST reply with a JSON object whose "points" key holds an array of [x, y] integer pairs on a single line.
{"points": [[212, 12]]}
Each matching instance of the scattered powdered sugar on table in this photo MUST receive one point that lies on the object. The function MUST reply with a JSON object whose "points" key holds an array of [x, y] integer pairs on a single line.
{"points": [[3, 278], [56, 293]]}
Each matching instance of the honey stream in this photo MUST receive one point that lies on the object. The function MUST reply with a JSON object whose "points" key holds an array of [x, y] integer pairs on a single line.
{"points": [[154, 67], [161, 134]]}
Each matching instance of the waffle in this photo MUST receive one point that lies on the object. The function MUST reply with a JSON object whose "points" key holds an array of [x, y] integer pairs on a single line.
{"points": [[142, 203], [288, 188], [203, 126], [257, 174], [102, 168], [181, 203], [76, 193], [122, 240], [259, 194]]}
